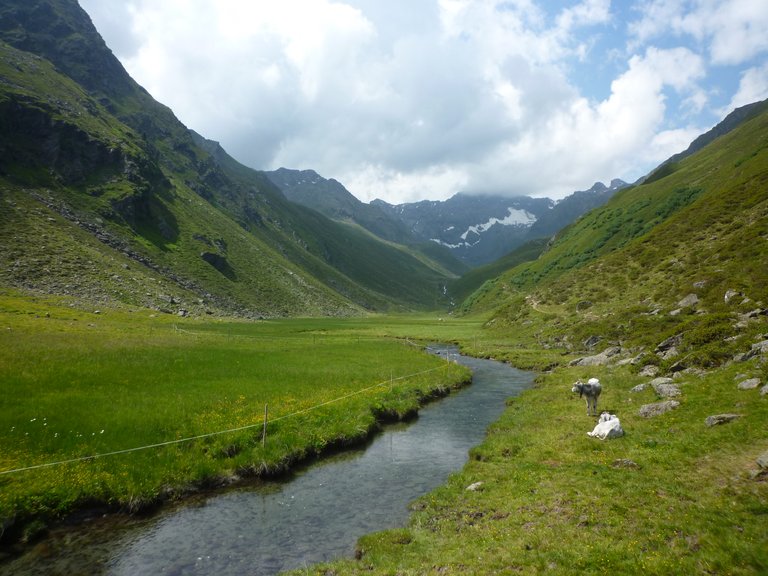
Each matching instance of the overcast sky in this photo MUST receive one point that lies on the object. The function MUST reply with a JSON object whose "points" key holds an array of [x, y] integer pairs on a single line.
{"points": [[419, 99]]}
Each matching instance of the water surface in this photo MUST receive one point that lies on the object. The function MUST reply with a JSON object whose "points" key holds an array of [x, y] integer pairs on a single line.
{"points": [[316, 516]]}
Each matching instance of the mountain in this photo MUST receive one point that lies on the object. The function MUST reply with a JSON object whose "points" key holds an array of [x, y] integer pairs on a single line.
{"points": [[331, 198], [679, 257], [730, 122], [113, 200], [479, 229]]}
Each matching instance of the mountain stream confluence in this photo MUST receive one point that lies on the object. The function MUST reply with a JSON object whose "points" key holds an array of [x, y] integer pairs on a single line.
{"points": [[314, 516]]}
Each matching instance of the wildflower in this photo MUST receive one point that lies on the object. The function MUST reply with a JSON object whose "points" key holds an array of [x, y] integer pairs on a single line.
{"points": [[102, 432]]}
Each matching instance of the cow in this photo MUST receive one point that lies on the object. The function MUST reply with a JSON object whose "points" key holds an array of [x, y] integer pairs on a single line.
{"points": [[591, 391]]}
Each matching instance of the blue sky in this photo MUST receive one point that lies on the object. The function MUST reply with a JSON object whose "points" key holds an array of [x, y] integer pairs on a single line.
{"points": [[420, 99]]}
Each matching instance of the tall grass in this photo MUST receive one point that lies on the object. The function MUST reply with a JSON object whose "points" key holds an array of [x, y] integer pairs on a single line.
{"points": [[77, 385], [672, 496]]}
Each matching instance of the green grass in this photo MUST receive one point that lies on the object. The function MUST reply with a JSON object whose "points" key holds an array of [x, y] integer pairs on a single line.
{"points": [[554, 500], [76, 384]]}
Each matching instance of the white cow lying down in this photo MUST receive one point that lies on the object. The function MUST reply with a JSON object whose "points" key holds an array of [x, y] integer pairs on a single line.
{"points": [[607, 427]]}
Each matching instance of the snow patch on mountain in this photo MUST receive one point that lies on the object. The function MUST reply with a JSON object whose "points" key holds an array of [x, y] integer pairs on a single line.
{"points": [[515, 217]]}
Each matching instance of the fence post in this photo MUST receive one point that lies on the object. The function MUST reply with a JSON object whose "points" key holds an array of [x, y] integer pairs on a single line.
{"points": [[264, 430]]}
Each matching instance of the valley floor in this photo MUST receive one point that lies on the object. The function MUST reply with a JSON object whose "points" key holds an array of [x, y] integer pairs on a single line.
{"points": [[673, 495]]}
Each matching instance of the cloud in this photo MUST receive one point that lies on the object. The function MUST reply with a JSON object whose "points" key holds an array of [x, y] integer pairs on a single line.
{"points": [[413, 99], [753, 87], [733, 30]]}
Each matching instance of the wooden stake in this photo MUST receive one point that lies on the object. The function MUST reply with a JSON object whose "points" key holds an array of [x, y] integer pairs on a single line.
{"points": [[264, 431]]}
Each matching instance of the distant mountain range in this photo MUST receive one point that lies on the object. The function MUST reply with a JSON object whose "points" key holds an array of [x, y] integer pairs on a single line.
{"points": [[476, 228], [109, 199]]}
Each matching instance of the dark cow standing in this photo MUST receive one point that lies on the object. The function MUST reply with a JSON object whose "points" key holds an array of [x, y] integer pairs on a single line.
{"points": [[591, 391]]}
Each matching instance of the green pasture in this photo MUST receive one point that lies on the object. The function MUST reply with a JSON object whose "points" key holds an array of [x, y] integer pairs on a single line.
{"points": [[77, 384], [672, 496]]}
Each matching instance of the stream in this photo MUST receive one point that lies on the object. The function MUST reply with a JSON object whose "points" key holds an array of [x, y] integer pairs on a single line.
{"points": [[316, 515]]}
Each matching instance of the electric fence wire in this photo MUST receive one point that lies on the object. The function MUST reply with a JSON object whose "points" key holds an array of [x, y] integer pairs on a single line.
{"points": [[216, 433]]}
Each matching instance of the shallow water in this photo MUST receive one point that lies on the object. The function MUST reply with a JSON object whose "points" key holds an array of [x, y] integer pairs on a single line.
{"points": [[315, 516]]}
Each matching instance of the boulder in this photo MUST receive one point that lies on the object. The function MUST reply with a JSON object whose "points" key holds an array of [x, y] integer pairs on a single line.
{"points": [[669, 353], [475, 487], [591, 342], [757, 349], [650, 370], [657, 408], [665, 388], [598, 359], [749, 384], [730, 295], [718, 419], [764, 390], [670, 343], [639, 388], [762, 460], [689, 301]]}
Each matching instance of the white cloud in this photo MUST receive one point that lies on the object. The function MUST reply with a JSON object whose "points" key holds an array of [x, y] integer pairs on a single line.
{"points": [[733, 30], [752, 88], [412, 99]]}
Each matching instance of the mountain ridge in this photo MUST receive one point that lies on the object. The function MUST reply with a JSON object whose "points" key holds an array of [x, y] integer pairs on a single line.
{"points": [[459, 224], [85, 136]]}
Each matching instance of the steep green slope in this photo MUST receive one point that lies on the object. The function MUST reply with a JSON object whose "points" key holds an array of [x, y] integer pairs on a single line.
{"points": [[330, 198], [463, 287], [623, 271], [111, 160], [66, 160]]}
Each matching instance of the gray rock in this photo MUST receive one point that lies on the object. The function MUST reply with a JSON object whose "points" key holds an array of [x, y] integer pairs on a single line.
{"points": [[598, 359], [688, 301], [651, 370], [759, 348], [657, 408], [718, 419], [755, 313], [669, 353], [591, 342], [639, 388], [669, 343], [762, 460], [750, 384], [764, 390], [625, 463], [730, 295], [665, 388], [475, 487]]}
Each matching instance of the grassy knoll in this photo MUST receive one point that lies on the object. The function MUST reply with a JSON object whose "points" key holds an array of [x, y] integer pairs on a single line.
{"points": [[77, 384], [672, 496]]}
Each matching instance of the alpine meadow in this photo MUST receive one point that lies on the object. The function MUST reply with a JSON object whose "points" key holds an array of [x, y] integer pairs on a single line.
{"points": [[175, 323]]}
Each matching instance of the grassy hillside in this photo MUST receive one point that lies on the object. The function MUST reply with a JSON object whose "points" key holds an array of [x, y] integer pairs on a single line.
{"points": [[84, 140], [700, 229], [463, 287]]}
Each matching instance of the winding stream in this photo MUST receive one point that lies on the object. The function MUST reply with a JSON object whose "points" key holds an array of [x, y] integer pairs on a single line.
{"points": [[315, 516]]}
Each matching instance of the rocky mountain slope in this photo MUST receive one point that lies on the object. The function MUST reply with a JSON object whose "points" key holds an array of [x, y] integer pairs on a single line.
{"points": [[115, 183], [479, 229], [678, 259], [475, 229]]}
